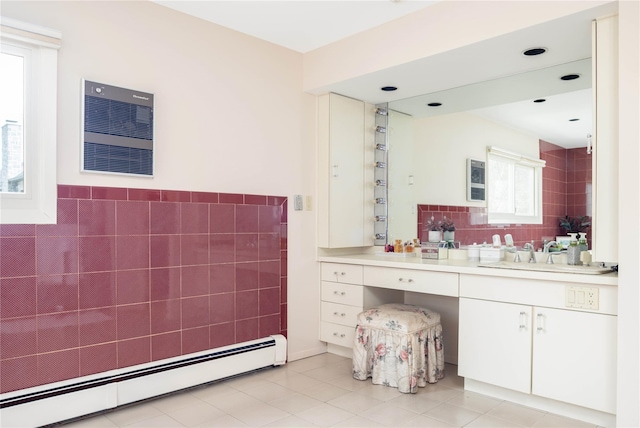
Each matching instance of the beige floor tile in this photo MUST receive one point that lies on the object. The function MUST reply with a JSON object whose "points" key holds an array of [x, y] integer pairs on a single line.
{"points": [[99, 421], [554, 421], [295, 403], [161, 421], [389, 415], [195, 414], [259, 415], [233, 401], [487, 421], [174, 401], [328, 373], [297, 382], [477, 402], [415, 402], [324, 392], [349, 383], [358, 422], [452, 415], [516, 413], [291, 421], [226, 421], [424, 421], [132, 414], [268, 391], [439, 393], [325, 415], [209, 392], [380, 392], [355, 403]]}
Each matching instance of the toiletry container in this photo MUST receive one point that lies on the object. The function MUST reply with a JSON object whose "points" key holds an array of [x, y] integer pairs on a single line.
{"points": [[573, 253], [473, 253]]}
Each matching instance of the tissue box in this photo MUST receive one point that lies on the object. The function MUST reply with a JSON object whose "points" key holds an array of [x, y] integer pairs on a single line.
{"points": [[489, 254], [434, 250]]}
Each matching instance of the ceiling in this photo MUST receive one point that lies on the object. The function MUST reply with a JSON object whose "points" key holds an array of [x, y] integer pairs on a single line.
{"points": [[304, 25], [300, 25]]}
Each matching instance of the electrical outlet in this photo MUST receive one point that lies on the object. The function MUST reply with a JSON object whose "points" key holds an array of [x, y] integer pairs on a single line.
{"points": [[582, 297], [297, 202]]}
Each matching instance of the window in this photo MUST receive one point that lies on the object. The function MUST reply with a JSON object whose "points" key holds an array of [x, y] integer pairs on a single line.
{"points": [[514, 188], [29, 62]]}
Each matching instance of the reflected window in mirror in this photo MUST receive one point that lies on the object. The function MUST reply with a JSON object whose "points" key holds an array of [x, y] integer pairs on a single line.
{"points": [[514, 188]]}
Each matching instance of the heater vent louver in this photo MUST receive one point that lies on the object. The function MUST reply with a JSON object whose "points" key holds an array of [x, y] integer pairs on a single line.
{"points": [[117, 129]]}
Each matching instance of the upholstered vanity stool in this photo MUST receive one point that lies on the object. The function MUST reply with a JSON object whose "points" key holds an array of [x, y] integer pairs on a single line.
{"points": [[398, 345]]}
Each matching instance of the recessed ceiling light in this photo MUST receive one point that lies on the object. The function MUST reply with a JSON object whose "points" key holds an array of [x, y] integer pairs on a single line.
{"points": [[570, 77], [534, 51], [434, 104], [388, 88], [539, 100]]}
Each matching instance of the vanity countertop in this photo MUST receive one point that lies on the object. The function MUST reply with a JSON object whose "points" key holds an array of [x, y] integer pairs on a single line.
{"points": [[462, 266]]}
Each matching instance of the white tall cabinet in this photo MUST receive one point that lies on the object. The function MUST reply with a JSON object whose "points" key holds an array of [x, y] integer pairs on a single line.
{"points": [[343, 127]]}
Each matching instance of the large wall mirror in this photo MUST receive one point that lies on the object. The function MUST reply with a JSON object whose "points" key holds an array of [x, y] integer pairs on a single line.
{"points": [[537, 114], [538, 106]]}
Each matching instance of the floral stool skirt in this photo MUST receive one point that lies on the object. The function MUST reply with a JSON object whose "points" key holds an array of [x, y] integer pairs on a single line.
{"points": [[400, 346]]}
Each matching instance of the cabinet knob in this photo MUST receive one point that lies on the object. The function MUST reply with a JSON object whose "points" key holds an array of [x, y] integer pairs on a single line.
{"points": [[339, 293], [338, 314], [338, 335]]}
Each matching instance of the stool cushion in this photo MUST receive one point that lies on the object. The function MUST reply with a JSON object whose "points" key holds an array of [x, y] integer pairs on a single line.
{"points": [[399, 317], [400, 346]]}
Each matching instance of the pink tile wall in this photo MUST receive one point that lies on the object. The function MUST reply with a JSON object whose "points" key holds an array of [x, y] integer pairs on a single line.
{"points": [[129, 276], [566, 191]]}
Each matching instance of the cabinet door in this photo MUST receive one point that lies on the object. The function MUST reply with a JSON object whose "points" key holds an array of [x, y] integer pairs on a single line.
{"points": [[494, 343], [574, 358], [341, 143]]}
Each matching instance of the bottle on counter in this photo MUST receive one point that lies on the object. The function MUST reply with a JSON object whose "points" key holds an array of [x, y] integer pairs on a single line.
{"points": [[398, 247], [573, 253]]}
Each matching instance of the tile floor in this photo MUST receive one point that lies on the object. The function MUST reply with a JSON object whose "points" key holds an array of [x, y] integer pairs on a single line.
{"points": [[319, 391]]}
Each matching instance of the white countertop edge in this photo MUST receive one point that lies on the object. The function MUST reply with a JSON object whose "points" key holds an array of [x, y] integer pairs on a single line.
{"points": [[466, 267]]}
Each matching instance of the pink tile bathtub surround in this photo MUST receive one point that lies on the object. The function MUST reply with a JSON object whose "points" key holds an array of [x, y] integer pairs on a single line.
{"points": [[129, 276], [566, 190]]}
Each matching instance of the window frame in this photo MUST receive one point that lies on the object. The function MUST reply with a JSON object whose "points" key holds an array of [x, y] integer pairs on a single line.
{"points": [[38, 203], [516, 161]]}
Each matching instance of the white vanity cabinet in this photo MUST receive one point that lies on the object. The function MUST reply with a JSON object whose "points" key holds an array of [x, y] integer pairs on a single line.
{"points": [[544, 348], [342, 128], [341, 302]]}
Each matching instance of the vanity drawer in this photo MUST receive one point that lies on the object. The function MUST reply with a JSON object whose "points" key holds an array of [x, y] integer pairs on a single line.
{"points": [[337, 334], [339, 314], [345, 294], [441, 283], [337, 272]]}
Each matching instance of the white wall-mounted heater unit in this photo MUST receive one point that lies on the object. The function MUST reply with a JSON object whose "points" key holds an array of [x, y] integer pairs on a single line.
{"points": [[117, 130], [73, 398]]}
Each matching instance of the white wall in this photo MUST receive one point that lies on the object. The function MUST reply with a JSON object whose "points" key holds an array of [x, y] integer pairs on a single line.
{"points": [[628, 414], [230, 115], [443, 144]]}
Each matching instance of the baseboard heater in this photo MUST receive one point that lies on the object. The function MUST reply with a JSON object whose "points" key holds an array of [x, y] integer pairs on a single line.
{"points": [[55, 402]]}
